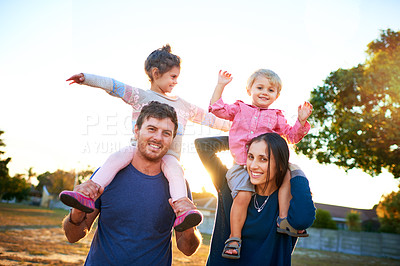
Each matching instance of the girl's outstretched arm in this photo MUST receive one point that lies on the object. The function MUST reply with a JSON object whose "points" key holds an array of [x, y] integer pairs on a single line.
{"points": [[200, 116], [77, 78], [113, 87]]}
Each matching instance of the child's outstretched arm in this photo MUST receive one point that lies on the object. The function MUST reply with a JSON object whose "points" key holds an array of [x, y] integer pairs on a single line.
{"points": [[113, 87], [295, 133], [223, 79], [77, 78], [304, 111]]}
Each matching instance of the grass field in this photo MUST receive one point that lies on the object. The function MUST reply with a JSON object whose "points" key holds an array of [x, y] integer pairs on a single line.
{"points": [[32, 236]]}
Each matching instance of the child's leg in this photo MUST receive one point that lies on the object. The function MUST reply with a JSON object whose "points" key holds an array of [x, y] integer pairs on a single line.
{"points": [[173, 171], [101, 178], [238, 217], [177, 186], [284, 196], [114, 163], [242, 190], [239, 212]]}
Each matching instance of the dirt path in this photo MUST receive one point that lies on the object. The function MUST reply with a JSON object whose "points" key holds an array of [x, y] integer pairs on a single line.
{"points": [[33, 236], [40, 246]]}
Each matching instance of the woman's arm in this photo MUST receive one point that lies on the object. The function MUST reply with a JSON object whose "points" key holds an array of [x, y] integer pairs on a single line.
{"points": [[207, 148], [301, 213]]}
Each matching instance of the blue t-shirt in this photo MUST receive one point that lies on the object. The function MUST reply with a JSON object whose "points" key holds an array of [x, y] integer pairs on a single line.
{"points": [[135, 221]]}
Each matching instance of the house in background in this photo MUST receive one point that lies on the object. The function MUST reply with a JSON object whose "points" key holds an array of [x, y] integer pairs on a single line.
{"points": [[207, 206], [368, 217]]}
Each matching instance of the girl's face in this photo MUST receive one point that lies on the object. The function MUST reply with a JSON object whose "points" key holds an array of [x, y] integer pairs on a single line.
{"points": [[258, 166], [166, 82], [262, 92]]}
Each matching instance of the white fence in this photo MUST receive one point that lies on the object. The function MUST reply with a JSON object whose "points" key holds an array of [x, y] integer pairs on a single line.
{"points": [[357, 243]]}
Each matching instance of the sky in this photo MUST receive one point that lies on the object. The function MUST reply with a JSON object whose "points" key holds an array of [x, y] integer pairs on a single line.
{"points": [[51, 125]]}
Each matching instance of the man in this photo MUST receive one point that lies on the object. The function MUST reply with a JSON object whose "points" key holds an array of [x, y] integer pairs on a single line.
{"points": [[135, 221]]}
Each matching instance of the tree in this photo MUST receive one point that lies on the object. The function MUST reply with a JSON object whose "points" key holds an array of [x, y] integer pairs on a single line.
{"points": [[203, 194], [44, 180], [323, 219], [4, 175], [356, 117], [84, 175], [30, 174], [388, 212], [61, 180], [17, 188], [353, 221]]}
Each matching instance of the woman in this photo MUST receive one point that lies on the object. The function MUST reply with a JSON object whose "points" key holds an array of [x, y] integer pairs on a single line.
{"points": [[267, 162]]}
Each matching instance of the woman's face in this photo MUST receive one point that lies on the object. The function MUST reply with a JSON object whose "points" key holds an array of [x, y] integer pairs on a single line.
{"points": [[257, 164]]}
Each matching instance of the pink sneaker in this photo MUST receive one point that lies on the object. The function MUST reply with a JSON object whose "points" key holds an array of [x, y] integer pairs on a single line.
{"points": [[77, 201], [188, 220]]}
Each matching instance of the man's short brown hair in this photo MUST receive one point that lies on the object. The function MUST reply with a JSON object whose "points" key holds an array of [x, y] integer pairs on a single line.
{"points": [[159, 111]]}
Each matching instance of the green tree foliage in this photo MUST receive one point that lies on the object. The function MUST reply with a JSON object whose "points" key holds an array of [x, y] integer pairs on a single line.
{"points": [[44, 180], [85, 175], [203, 194], [30, 174], [61, 180], [353, 221], [388, 211], [356, 117], [370, 226], [323, 219], [4, 175], [17, 188]]}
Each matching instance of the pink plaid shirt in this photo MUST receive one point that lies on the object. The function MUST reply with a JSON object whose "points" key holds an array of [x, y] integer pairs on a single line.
{"points": [[250, 121]]}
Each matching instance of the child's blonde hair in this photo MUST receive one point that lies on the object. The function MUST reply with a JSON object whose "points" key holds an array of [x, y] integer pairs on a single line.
{"points": [[269, 74]]}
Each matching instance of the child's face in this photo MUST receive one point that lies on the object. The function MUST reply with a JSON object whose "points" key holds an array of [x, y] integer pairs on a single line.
{"points": [[262, 92], [167, 81]]}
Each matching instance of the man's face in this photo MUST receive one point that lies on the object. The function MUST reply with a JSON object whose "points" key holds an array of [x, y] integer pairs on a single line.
{"points": [[154, 138]]}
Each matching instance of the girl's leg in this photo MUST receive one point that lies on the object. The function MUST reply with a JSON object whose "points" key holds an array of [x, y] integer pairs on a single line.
{"points": [[173, 171], [101, 178], [177, 186], [114, 163]]}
